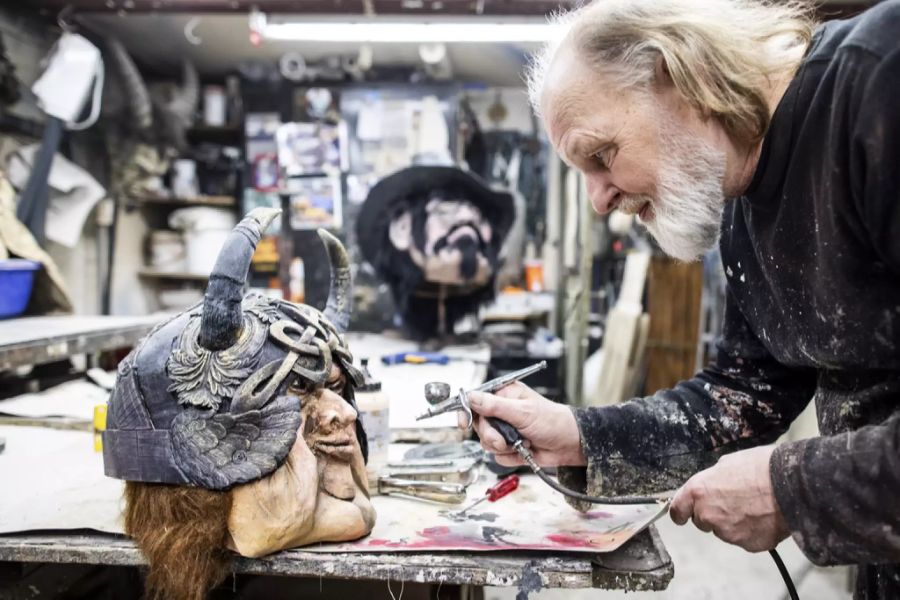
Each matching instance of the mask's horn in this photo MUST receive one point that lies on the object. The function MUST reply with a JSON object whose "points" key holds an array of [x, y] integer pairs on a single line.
{"points": [[340, 300], [186, 97], [135, 89], [221, 320]]}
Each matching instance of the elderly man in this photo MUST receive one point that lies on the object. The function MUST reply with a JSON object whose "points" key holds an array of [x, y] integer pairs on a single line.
{"points": [[740, 121]]}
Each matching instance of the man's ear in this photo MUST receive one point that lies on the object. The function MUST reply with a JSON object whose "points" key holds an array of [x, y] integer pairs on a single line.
{"points": [[400, 231], [661, 75]]}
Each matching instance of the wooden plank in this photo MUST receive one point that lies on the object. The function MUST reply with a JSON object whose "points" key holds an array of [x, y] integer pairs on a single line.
{"points": [[673, 299], [176, 275], [35, 340], [224, 201], [641, 564]]}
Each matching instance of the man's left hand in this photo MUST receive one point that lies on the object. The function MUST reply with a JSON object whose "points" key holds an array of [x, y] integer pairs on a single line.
{"points": [[734, 499]]}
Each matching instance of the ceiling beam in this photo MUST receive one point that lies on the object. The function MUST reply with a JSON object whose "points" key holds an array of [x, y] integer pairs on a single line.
{"points": [[828, 8]]}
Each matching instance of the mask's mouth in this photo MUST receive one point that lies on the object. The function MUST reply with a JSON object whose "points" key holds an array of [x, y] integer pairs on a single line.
{"points": [[335, 446]]}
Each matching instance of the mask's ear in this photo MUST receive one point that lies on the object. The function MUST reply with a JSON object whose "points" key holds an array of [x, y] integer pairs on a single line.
{"points": [[400, 232]]}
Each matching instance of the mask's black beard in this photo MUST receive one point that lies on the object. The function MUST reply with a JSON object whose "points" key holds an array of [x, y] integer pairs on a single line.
{"points": [[469, 264], [469, 246]]}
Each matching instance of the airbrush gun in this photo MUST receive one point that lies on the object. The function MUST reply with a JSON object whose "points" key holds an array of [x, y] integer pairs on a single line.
{"points": [[437, 393]]}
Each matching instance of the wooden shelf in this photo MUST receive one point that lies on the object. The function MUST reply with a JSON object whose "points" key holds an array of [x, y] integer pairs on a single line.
{"points": [[225, 135], [224, 201], [179, 276]]}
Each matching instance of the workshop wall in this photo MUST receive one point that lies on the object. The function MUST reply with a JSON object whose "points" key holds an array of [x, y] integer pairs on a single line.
{"points": [[28, 40]]}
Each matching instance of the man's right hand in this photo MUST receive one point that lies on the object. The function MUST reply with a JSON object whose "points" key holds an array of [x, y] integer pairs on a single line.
{"points": [[549, 428]]}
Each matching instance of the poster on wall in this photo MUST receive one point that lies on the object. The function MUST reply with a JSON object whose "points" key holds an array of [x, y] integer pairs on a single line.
{"points": [[315, 202], [310, 148], [317, 104]]}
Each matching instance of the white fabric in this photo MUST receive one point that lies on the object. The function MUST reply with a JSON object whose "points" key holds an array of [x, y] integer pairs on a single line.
{"points": [[73, 194]]}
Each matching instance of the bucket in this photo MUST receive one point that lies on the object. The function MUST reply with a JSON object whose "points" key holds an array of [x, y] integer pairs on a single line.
{"points": [[203, 247], [205, 231], [16, 280], [166, 251]]}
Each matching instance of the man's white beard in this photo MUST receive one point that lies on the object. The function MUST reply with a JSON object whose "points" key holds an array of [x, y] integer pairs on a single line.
{"points": [[687, 210]]}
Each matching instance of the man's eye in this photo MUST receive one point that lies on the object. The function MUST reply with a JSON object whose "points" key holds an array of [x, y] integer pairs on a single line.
{"points": [[603, 157]]}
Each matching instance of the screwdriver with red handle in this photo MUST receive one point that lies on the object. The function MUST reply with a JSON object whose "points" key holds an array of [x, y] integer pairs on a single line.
{"points": [[502, 488]]}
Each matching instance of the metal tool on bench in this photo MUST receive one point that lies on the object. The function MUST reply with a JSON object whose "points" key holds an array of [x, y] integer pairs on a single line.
{"points": [[434, 491], [464, 471], [433, 472], [438, 393]]}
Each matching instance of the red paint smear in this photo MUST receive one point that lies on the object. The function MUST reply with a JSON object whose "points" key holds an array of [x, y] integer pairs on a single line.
{"points": [[597, 514], [569, 540], [444, 538]]}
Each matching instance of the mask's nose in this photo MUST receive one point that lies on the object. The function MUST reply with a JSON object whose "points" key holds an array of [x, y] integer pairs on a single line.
{"points": [[337, 412]]}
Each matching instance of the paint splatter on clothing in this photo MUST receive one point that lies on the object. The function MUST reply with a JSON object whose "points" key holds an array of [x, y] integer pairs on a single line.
{"points": [[812, 257]]}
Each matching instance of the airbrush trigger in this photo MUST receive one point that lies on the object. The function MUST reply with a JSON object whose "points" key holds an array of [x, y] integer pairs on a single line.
{"points": [[466, 407]]}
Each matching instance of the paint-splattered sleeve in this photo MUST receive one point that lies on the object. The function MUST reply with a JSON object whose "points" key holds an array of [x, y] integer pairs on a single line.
{"points": [[840, 494], [648, 445]]}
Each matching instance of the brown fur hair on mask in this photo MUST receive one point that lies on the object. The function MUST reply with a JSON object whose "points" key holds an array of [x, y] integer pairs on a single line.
{"points": [[182, 532]]}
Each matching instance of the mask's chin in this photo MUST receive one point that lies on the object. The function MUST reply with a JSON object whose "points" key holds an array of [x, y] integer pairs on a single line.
{"points": [[337, 478]]}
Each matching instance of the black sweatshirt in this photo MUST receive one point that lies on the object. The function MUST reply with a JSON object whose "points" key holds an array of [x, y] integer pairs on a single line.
{"points": [[811, 253]]}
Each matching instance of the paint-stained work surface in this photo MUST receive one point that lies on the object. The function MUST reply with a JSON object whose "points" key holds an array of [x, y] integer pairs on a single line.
{"points": [[642, 564]]}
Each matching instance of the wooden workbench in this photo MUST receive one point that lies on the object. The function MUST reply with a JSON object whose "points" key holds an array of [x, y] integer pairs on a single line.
{"points": [[641, 564]]}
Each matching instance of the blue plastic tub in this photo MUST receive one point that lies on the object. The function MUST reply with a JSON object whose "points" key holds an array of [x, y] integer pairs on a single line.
{"points": [[16, 279]]}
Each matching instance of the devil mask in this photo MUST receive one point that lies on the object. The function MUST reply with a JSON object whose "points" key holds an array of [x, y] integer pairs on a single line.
{"points": [[434, 234], [248, 399]]}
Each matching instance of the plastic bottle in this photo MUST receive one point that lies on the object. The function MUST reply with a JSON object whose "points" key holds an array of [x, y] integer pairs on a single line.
{"points": [[374, 411]]}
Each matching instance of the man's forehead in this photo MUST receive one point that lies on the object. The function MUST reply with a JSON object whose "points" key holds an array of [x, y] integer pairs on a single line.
{"points": [[565, 92]]}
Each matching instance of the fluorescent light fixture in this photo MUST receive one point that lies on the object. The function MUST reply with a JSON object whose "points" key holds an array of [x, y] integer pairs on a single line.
{"points": [[410, 32]]}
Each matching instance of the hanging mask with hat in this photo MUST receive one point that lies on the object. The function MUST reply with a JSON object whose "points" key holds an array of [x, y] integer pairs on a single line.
{"points": [[434, 234]]}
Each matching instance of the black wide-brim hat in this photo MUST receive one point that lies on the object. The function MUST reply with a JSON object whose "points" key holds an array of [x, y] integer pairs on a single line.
{"points": [[414, 184]]}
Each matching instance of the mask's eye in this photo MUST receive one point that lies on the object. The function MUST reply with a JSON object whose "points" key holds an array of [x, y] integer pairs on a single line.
{"points": [[301, 387], [338, 386]]}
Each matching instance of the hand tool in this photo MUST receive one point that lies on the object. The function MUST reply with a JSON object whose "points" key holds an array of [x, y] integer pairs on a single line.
{"points": [[502, 488], [437, 393], [423, 358], [433, 491], [416, 358], [464, 471]]}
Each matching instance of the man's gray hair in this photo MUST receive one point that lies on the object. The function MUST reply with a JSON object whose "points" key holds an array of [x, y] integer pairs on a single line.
{"points": [[720, 54]]}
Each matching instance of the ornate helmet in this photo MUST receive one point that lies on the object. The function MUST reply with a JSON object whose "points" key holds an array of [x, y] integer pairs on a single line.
{"points": [[202, 400]]}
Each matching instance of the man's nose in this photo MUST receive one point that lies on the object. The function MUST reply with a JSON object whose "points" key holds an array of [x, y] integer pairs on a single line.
{"points": [[465, 212], [601, 192]]}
